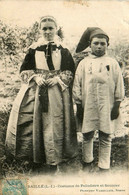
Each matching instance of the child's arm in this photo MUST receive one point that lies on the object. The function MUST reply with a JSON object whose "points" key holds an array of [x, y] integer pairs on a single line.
{"points": [[77, 91], [115, 110], [77, 85], [119, 91], [119, 84]]}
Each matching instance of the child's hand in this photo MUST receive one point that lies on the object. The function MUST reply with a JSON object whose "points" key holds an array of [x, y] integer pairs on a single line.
{"points": [[80, 111], [115, 111]]}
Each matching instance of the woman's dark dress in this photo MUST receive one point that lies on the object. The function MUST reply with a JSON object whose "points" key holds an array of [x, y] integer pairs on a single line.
{"points": [[41, 125]]}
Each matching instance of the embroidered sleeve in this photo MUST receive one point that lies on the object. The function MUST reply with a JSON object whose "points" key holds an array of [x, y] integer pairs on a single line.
{"points": [[64, 79], [66, 76], [27, 75]]}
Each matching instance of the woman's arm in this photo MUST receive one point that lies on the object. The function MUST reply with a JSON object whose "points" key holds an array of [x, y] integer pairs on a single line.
{"points": [[27, 70], [67, 62], [28, 66], [65, 78], [29, 61]]}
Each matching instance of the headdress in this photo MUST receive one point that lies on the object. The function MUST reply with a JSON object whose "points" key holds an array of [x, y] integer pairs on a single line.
{"points": [[86, 37], [47, 18]]}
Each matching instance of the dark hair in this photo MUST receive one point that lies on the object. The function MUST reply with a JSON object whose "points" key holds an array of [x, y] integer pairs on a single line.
{"points": [[100, 36]]}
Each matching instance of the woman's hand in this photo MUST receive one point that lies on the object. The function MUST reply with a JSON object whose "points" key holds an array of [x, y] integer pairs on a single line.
{"points": [[51, 82], [39, 81]]}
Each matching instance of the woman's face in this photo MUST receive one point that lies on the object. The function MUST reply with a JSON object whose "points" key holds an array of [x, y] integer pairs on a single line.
{"points": [[48, 29], [98, 46]]}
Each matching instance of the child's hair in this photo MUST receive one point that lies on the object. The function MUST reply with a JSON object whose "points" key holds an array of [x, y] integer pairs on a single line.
{"points": [[100, 36]]}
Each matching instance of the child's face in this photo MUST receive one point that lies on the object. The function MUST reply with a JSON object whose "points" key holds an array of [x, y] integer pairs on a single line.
{"points": [[48, 29], [98, 46]]}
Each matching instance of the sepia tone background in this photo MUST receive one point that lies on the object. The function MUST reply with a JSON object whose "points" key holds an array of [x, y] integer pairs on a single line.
{"points": [[19, 29]]}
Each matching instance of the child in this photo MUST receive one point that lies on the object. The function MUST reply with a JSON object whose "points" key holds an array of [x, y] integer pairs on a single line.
{"points": [[98, 91]]}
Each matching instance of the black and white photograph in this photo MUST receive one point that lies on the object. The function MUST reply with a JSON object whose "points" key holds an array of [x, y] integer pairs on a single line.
{"points": [[64, 97]]}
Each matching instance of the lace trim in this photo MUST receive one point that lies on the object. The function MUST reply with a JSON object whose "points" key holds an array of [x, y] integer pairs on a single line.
{"points": [[67, 77]]}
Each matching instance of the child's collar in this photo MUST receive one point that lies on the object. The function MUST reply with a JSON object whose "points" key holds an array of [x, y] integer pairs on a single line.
{"points": [[94, 56]]}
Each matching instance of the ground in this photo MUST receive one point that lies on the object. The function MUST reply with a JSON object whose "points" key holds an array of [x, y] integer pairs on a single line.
{"points": [[119, 162]]}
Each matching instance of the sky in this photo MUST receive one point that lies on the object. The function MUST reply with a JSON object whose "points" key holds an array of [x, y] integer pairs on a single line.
{"points": [[74, 17]]}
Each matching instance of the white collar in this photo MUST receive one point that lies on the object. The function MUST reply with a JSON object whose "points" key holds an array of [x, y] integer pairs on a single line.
{"points": [[41, 41], [94, 57]]}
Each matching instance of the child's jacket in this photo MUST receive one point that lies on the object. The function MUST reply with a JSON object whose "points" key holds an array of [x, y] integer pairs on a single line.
{"points": [[98, 84]]}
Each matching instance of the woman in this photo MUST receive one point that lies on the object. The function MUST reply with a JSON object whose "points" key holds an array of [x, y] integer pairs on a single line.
{"points": [[98, 90], [41, 127]]}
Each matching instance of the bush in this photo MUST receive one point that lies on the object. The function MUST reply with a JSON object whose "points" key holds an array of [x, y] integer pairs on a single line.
{"points": [[14, 43]]}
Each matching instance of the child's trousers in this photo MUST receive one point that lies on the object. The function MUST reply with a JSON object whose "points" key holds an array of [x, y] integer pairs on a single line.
{"points": [[104, 149]]}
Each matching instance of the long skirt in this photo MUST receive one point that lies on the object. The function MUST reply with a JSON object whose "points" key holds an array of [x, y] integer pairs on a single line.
{"points": [[48, 137]]}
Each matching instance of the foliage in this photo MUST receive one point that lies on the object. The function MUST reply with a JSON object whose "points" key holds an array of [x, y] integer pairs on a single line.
{"points": [[14, 42], [120, 51]]}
